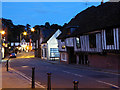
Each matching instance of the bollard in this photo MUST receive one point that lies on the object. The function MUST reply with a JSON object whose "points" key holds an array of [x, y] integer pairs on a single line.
{"points": [[49, 81], [7, 65], [75, 82], [33, 77]]}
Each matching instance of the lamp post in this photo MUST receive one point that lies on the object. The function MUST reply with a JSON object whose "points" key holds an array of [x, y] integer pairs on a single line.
{"points": [[30, 46], [25, 33], [3, 32]]}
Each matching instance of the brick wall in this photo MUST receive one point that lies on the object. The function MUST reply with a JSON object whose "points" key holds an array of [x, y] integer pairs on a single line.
{"points": [[110, 61]]}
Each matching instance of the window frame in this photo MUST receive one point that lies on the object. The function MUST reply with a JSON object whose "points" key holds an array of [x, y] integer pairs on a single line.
{"points": [[109, 36], [78, 43], [92, 40]]}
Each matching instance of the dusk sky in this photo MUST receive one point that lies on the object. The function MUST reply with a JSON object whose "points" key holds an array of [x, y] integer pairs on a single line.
{"points": [[37, 13]]}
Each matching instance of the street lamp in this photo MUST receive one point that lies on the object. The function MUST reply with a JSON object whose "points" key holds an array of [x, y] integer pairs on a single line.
{"points": [[2, 32], [24, 33], [32, 29]]}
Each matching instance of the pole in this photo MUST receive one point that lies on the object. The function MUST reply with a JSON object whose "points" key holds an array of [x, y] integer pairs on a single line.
{"points": [[33, 77], [7, 65], [20, 37], [75, 82], [49, 81]]}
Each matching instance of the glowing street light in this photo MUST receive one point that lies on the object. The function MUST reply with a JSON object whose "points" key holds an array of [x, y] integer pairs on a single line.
{"points": [[24, 33], [2, 32], [32, 29]]}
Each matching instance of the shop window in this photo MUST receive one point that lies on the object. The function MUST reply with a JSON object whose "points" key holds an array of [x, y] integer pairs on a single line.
{"points": [[54, 52], [92, 40], [109, 37]]}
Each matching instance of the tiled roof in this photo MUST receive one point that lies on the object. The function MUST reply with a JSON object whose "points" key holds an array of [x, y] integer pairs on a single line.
{"points": [[95, 18], [47, 34]]}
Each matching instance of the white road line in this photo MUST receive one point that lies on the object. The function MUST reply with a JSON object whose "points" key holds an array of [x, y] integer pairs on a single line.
{"points": [[73, 73], [95, 70], [108, 84], [108, 72], [28, 78]]}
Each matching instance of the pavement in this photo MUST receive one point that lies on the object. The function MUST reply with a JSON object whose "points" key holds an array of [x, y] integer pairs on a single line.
{"points": [[11, 79]]}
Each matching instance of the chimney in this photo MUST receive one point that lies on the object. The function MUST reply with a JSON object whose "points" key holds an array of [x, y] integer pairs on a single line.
{"points": [[101, 2]]}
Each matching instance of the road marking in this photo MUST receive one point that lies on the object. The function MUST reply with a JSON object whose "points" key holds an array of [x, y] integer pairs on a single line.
{"points": [[108, 72], [93, 70], [108, 84], [25, 66], [28, 78], [73, 73]]}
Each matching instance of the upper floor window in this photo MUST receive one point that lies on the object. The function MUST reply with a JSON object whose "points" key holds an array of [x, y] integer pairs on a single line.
{"points": [[72, 30], [62, 40], [92, 40], [109, 37], [63, 47], [78, 44]]}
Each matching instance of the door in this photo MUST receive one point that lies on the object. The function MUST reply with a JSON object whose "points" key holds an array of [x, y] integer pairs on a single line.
{"points": [[71, 55]]}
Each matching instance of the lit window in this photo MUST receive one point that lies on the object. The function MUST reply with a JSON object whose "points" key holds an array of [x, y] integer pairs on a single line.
{"points": [[63, 47], [78, 44], [54, 52]]}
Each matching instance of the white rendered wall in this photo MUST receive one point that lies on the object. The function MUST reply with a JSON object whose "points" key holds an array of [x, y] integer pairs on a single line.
{"points": [[52, 42]]}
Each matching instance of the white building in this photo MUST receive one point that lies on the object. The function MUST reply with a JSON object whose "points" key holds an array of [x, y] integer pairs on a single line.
{"points": [[49, 46]]}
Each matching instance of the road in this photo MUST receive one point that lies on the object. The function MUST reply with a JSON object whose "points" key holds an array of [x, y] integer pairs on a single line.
{"points": [[62, 75]]}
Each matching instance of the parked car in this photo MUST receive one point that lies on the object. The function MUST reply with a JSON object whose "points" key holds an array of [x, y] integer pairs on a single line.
{"points": [[12, 55]]}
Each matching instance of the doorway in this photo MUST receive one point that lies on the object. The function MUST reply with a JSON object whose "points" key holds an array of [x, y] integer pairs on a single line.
{"points": [[71, 55]]}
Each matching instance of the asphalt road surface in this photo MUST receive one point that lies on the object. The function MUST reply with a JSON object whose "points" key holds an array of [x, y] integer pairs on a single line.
{"points": [[62, 75]]}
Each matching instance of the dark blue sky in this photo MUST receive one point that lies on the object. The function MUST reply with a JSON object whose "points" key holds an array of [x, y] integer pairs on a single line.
{"points": [[37, 13]]}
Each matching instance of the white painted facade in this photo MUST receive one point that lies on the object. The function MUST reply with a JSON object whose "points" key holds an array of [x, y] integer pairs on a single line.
{"points": [[85, 44], [63, 54], [61, 44], [52, 43], [116, 44], [100, 42], [85, 47], [69, 42]]}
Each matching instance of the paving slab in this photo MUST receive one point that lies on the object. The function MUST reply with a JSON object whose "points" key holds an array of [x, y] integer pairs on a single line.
{"points": [[11, 79]]}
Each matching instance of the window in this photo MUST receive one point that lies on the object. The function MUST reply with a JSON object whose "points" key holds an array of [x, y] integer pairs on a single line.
{"points": [[45, 52], [109, 37], [92, 40], [63, 56], [72, 30], [78, 44], [42, 52], [63, 47], [62, 40], [54, 52]]}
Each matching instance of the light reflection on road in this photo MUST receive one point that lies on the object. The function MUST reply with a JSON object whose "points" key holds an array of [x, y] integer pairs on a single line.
{"points": [[20, 56], [25, 55]]}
